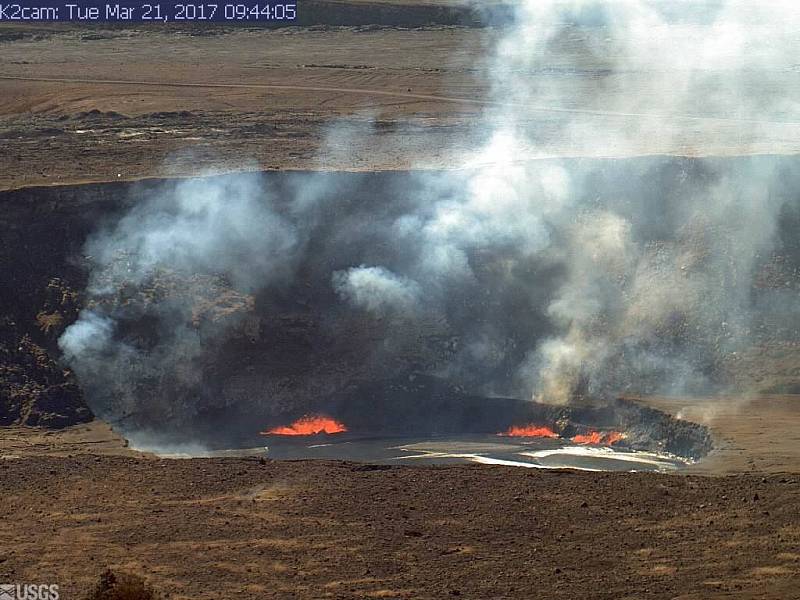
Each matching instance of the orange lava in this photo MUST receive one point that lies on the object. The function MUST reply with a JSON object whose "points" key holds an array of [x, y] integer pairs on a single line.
{"points": [[613, 437], [529, 431], [595, 438], [309, 425]]}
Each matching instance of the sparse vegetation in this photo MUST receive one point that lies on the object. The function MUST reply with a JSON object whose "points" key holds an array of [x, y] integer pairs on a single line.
{"points": [[122, 586]]}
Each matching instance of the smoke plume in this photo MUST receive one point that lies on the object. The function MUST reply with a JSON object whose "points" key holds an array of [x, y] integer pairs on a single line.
{"points": [[376, 289], [517, 272]]}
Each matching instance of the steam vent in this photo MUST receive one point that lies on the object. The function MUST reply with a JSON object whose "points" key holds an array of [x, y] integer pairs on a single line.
{"points": [[402, 299]]}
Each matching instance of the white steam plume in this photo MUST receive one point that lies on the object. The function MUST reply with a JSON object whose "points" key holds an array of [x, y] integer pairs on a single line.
{"points": [[551, 277], [377, 290], [184, 259]]}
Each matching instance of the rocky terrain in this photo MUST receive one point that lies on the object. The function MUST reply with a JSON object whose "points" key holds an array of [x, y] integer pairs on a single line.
{"points": [[220, 528]]}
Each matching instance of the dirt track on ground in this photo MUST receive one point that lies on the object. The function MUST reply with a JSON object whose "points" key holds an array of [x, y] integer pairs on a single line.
{"points": [[254, 86], [393, 94]]}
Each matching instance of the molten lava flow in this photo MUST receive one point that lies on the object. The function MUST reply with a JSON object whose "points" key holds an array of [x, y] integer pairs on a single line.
{"points": [[530, 430], [592, 437], [613, 437], [309, 425], [595, 437]]}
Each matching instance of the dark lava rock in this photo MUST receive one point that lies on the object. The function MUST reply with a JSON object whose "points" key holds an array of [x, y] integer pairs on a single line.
{"points": [[35, 391]]}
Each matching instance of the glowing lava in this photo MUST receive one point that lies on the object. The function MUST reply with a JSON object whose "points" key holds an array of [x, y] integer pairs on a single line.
{"points": [[309, 425], [612, 437], [593, 437], [530, 430], [596, 438]]}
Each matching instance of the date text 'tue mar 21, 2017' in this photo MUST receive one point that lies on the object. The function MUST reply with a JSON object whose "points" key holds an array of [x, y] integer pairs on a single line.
{"points": [[74, 10]]}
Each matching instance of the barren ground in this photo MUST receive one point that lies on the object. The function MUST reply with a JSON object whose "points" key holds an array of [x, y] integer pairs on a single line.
{"points": [[219, 528], [170, 101]]}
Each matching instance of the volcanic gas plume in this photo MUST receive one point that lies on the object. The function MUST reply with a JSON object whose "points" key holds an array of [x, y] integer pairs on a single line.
{"points": [[509, 275]]}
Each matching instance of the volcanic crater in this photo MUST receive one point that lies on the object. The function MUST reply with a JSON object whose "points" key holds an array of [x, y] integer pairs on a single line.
{"points": [[274, 355]]}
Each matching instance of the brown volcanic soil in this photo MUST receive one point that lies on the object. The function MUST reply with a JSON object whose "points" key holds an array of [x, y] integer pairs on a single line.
{"points": [[224, 528], [169, 101], [756, 434], [100, 104]]}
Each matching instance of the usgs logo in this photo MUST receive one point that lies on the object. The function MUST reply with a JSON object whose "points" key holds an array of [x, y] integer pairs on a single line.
{"points": [[28, 591]]}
